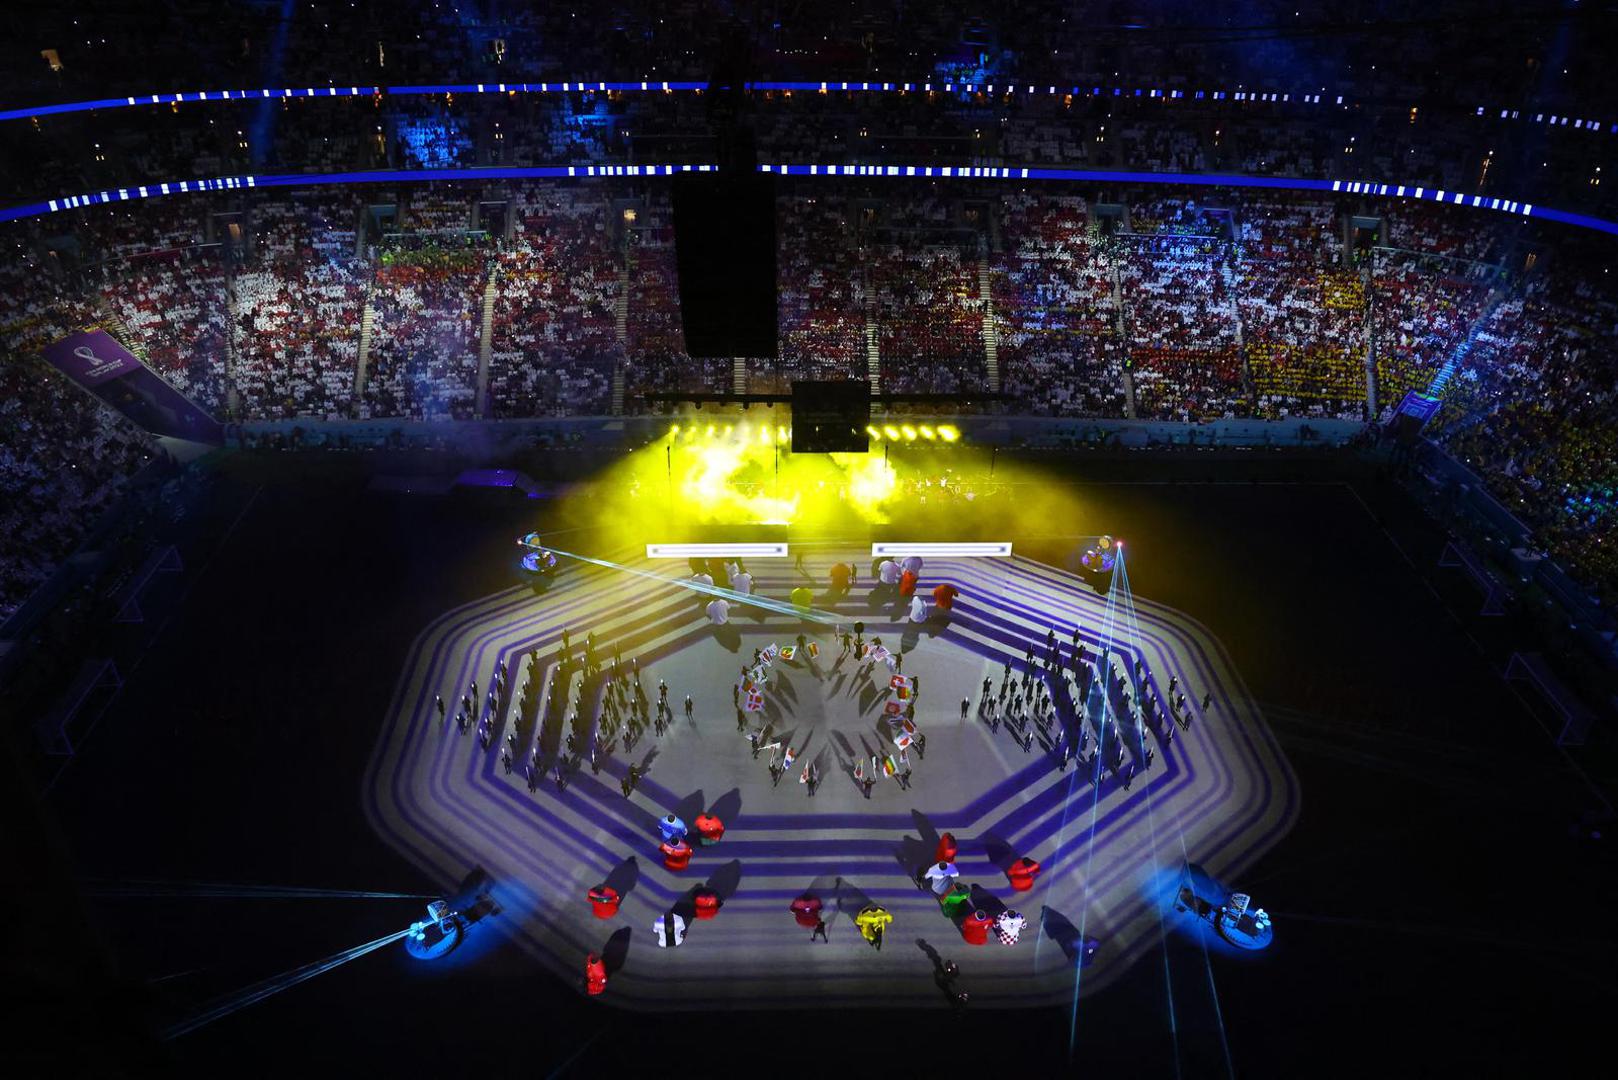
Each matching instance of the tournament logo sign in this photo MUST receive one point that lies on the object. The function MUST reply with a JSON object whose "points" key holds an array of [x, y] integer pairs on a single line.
{"points": [[99, 364]]}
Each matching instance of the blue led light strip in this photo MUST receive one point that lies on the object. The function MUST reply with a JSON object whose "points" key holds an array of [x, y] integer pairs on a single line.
{"points": [[375, 176], [1048, 89], [953, 172], [649, 85], [664, 86], [191, 96], [1550, 119]]}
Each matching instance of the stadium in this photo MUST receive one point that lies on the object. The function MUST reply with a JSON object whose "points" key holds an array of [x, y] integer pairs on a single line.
{"points": [[701, 537]]}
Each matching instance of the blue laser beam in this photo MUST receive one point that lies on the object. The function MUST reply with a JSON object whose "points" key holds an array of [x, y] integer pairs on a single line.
{"points": [[226, 890], [751, 599], [1104, 647], [1122, 577], [1121, 585], [257, 992]]}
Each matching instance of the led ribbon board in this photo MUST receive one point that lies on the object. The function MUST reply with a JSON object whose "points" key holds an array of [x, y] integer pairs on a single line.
{"points": [[961, 550], [955, 172], [713, 551]]}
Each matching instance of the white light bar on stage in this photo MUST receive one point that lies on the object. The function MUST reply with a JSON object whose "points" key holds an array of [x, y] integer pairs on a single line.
{"points": [[963, 550], [709, 551]]}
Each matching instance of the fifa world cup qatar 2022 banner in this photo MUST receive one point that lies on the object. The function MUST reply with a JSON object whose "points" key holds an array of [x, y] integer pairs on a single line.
{"points": [[115, 375]]}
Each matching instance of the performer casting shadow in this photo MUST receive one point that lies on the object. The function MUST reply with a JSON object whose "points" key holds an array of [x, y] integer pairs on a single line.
{"points": [[624, 877], [616, 950]]}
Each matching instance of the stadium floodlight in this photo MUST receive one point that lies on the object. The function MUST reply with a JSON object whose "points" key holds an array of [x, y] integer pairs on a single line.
{"points": [[942, 550], [713, 551], [949, 432], [870, 429], [891, 432], [909, 433]]}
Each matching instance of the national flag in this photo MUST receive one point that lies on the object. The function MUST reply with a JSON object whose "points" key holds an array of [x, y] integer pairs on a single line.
{"points": [[814, 650], [788, 652], [888, 767], [892, 708], [755, 701]]}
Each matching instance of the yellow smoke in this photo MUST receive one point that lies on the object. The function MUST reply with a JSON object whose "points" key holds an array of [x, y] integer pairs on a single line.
{"points": [[736, 468]]}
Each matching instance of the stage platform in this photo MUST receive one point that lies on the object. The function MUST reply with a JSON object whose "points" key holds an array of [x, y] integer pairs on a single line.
{"points": [[1219, 794]]}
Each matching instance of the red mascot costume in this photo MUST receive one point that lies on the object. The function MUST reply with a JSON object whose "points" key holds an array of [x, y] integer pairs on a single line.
{"points": [[944, 596], [947, 848], [707, 902], [907, 583], [604, 901], [806, 910], [976, 926], [676, 854], [709, 829], [1022, 873], [595, 974]]}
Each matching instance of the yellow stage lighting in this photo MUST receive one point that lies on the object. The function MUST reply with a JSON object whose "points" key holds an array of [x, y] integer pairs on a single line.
{"points": [[764, 436], [928, 433], [910, 433], [710, 431], [783, 434], [728, 429], [948, 432], [890, 431], [674, 429], [871, 430]]}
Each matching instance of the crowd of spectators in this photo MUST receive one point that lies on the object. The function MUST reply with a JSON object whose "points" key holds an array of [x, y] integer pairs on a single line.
{"points": [[655, 356], [64, 458], [1533, 409], [1304, 335], [298, 309], [821, 308], [1220, 306], [1055, 311], [423, 360], [1445, 55], [1180, 319], [174, 310], [558, 287], [1424, 307], [929, 318]]}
